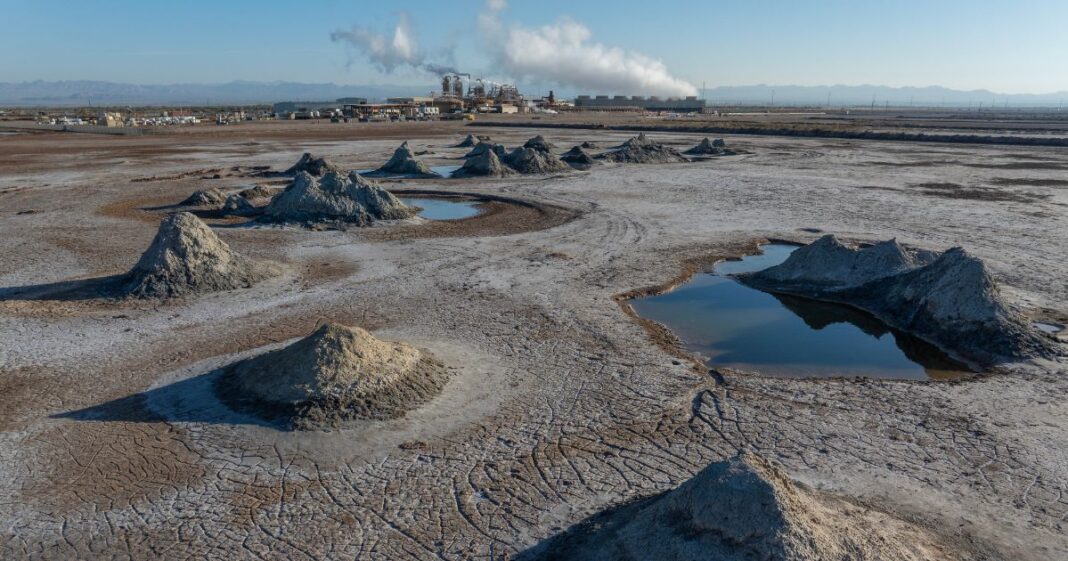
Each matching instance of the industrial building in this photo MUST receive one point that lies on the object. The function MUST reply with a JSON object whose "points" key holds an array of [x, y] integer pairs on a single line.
{"points": [[313, 109], [479, 95], [639, 103]]}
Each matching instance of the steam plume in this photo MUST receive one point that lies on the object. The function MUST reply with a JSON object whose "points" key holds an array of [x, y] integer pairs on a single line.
{"points": [[562, 53], [390, 53]]}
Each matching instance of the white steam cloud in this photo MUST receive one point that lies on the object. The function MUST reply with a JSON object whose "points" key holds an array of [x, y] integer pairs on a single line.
{"points": [[563, 54], [390, 53], [560, 54]]}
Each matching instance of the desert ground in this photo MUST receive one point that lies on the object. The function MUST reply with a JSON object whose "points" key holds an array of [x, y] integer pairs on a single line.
{"points": [[561, 404]]}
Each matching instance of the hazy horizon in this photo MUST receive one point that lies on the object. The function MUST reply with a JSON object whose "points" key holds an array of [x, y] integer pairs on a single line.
{"points": [[673, 50], [80, 93]]}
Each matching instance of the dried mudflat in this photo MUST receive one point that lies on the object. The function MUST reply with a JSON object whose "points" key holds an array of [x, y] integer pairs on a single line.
{"points": [[559, 405]]}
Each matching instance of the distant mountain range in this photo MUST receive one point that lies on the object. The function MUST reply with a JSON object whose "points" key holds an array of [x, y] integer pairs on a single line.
{"points": [[87, 92], [931, 96]]}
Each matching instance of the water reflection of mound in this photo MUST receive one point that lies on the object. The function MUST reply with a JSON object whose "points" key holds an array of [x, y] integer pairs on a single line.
{"points": [[818, 315]]}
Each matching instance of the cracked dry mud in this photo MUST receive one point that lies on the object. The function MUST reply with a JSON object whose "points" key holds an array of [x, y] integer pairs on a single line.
{"points": [[559, 405]]}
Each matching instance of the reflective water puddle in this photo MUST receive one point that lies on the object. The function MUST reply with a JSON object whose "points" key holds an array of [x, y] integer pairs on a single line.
{"points": [[734, 326], [443, 209]]}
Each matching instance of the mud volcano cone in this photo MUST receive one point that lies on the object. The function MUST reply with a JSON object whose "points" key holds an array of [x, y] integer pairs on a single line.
{"points": [[578, 157], [486, 164], [468, 142], [205, 197], [186, 258], [236, 205], [530, 161], [335, 197], [710, 148], [828, 264], [641, 150], [949, 299], [482, 147], [403, 162], [334, 375], [257, 192], [540, 144], [740, 510], [955, 302], [312, 165]]}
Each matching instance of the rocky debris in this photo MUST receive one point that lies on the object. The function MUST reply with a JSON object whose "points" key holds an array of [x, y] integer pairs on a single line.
{"points": [[482, 147], [710, 148], [471, 140], [403, 162], [335, 375], [641, 150], [949, 299], [529, 161], [236, 205], [587, 145], [334, 197], [257, 192], [743, 509], [187, 258], [578, 157], [486, 164], [205, 197], [312, 165]]}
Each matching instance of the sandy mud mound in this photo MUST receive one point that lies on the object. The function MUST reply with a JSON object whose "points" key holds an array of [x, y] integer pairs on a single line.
{"points": [[578, 157], [706, 147], [403, 162], [486, 164], [641, 150], [741, 510], [312, 165], [336, 198], [336, 374], [187, 258], [949, 299], [205, 197]]}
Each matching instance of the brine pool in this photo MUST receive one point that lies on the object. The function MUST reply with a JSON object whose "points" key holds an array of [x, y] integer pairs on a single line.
{"points": [[734, 326], [443, 209]]}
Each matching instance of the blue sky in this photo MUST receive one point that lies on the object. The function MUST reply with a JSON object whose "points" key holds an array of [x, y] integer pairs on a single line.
{"points": [[1010, 47]]}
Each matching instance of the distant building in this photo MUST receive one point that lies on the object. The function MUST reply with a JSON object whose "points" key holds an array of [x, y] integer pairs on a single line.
{"points": [[305, 109], [638, 103], [418, 100], [107, 119]]}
